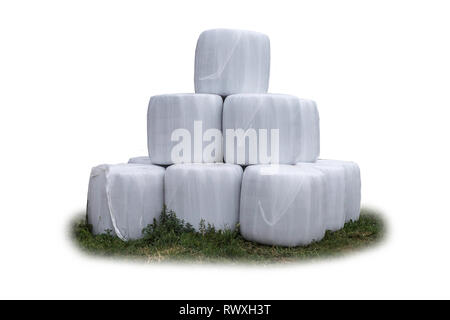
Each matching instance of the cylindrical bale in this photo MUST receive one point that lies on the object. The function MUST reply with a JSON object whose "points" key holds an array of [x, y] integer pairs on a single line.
{"points": [[334, 205], [232, 61], [184, 128], [270, 128], [125, 198], [352, 187], [208, 192], [282, 205]]}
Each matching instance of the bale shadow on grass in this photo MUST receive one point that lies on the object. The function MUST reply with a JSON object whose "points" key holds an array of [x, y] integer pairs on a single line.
{"points": [[171, 240]]}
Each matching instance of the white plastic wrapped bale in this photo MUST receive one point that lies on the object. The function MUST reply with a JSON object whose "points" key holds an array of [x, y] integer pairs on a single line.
{"points": [[183, 128], [140, 160], [270, 128], [352, 187], [334, 205], [125, 198], [232, 61], [204, 191], [282, 205]]}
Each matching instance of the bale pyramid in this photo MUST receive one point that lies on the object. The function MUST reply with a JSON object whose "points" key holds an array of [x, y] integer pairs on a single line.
{"points": [[229, 153]]}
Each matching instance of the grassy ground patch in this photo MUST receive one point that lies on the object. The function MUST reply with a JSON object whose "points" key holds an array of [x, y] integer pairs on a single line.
{"points": [[170, 239]]}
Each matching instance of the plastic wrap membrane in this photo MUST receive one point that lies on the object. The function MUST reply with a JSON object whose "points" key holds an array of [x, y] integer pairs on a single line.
{"points": [[204, 191], [140, 160], [282, 204], [270, 128], [284, 197], [194, 115], [334, 202], [352, 187], [124, 198], [232, 61]]}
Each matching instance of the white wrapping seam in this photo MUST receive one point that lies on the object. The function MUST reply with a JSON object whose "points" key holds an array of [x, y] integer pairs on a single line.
{"points": [[220, 70], [295, 196], [98, 170], [108, 197], [282, 212]]}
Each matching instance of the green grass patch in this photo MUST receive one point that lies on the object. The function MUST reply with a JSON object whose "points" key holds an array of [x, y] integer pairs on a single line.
{"points": [[170, 239]]}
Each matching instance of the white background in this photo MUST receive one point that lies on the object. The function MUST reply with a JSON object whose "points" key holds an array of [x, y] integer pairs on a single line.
{"points": [[75, 80]]}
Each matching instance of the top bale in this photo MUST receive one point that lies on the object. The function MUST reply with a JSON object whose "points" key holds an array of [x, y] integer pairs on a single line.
{"points": [[232, 61]]}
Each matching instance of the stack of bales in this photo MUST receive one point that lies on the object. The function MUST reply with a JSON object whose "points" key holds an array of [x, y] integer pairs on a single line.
{"points": [[264, 173]]}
